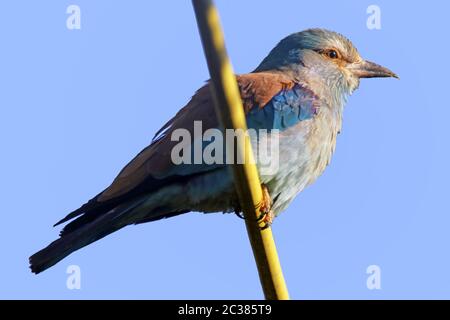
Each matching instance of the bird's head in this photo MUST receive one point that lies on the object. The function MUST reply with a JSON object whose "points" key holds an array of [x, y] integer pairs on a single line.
{"points": [[323, 56]]}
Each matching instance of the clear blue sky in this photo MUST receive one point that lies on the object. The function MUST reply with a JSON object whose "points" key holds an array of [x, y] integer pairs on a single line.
{"points": [[77, 105]]}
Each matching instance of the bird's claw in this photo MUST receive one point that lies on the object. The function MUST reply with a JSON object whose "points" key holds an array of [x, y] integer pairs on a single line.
{"points": [[238, 212], [265, 208], [266, 216]]}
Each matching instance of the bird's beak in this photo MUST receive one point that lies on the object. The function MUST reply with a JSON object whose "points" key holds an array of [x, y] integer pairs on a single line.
{"points": [[367, 69]]}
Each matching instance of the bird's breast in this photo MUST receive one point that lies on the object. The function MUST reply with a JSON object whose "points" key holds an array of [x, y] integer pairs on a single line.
{"points": [[304, 152], [321, 142]]}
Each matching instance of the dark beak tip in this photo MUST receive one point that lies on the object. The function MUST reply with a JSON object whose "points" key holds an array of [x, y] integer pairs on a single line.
{"points": [[373, 70], [392, 74]]}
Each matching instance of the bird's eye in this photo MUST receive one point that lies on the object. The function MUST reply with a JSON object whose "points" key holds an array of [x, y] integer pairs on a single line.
{"points": [[332, 54]]}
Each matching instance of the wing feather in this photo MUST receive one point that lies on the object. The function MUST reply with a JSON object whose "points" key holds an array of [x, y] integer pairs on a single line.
{"points": [[152, 168]]}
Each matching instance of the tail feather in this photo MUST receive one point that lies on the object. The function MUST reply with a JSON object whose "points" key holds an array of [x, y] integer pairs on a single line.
{"points": [[94, 222], [111, 221]]}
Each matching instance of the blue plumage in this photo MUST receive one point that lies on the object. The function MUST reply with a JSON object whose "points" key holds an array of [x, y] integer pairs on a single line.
{"points": [[286, 109]]}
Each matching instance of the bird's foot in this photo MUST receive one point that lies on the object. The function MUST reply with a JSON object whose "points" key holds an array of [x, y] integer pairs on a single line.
{"points": [[266, 216], [265, 208]]}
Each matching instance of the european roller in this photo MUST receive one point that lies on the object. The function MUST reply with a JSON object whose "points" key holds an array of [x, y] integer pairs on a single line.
{"points": [[300, 89]]}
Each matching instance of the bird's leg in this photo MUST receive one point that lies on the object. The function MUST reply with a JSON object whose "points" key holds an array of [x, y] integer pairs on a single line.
{"points": [[238, 212], [265, 208]]}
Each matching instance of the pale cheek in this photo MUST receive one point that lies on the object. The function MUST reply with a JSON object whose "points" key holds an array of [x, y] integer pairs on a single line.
{"points": [[357, 81], [353, 83]]}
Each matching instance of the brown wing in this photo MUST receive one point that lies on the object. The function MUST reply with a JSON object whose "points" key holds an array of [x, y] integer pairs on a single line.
{"points": [[153, 167]]}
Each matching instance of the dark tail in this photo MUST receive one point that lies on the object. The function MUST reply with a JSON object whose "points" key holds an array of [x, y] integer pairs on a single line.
{"points": [[69, 242]]}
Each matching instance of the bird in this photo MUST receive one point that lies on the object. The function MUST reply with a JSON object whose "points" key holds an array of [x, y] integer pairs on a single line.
{"points": [[299, 90]]}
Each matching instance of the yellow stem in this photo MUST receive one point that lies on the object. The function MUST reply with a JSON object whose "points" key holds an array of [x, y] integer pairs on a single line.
{"points": [[230, 112]]}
